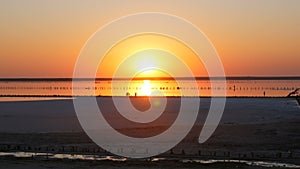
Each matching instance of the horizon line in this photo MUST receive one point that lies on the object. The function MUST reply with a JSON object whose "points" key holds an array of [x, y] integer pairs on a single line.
{"points": [[153, 78]]}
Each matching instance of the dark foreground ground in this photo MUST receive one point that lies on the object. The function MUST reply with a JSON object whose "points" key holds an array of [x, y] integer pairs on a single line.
{"points": [[252, 129], [278, 141]]}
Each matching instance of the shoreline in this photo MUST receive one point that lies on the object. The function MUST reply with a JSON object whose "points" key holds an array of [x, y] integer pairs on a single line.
{"points": [[39, 163], [101, 160]]}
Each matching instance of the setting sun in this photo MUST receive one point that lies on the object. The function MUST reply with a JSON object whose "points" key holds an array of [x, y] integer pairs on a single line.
{"points": [[146, 88]]}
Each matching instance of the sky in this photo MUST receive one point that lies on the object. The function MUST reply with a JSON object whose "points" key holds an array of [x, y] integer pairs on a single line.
{"points": [[252, 37]]}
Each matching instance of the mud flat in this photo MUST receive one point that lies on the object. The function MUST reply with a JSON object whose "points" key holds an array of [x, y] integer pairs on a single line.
{"points": [[255, 129]]}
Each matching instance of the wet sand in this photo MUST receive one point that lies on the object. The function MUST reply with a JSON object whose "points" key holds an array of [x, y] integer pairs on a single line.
{"points": [[78, 164]]}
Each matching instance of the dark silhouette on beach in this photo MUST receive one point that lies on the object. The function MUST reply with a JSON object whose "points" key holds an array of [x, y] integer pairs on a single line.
{"points": [[295, 93]]}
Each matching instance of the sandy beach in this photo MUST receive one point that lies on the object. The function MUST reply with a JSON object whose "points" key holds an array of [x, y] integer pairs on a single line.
{"points": [[264, 129]]}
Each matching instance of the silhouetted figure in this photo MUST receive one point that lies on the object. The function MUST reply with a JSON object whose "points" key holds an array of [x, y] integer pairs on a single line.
{"points": [[264, 93], [294, 93]]}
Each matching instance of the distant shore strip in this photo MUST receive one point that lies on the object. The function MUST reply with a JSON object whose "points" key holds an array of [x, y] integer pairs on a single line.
{"points": [[72, 96], [159, 78]]}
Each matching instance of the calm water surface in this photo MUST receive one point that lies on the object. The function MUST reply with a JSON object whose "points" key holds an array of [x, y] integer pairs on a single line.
{"points": [[235, 88]]}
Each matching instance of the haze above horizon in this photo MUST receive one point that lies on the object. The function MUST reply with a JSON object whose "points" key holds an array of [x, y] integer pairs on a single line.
{"points": [[42, 39]]}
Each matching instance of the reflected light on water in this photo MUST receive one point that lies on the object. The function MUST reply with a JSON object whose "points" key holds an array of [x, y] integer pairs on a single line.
{"points": [[142, 87], [146, 88]]}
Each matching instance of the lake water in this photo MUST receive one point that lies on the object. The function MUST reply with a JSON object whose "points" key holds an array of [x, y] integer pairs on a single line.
{"points": [[236, 87], [41, 115]]}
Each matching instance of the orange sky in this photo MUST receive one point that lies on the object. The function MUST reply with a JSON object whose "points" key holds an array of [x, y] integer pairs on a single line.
{"points": [[148, 51], [44, 38]]}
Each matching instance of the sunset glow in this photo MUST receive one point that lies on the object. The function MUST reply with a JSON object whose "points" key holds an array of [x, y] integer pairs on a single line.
{"points": [[150, 84], [39, 40], [145, 47]]}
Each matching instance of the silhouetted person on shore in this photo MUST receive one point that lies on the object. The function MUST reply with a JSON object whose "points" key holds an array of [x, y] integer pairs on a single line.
{"points": [[294, 93]]}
